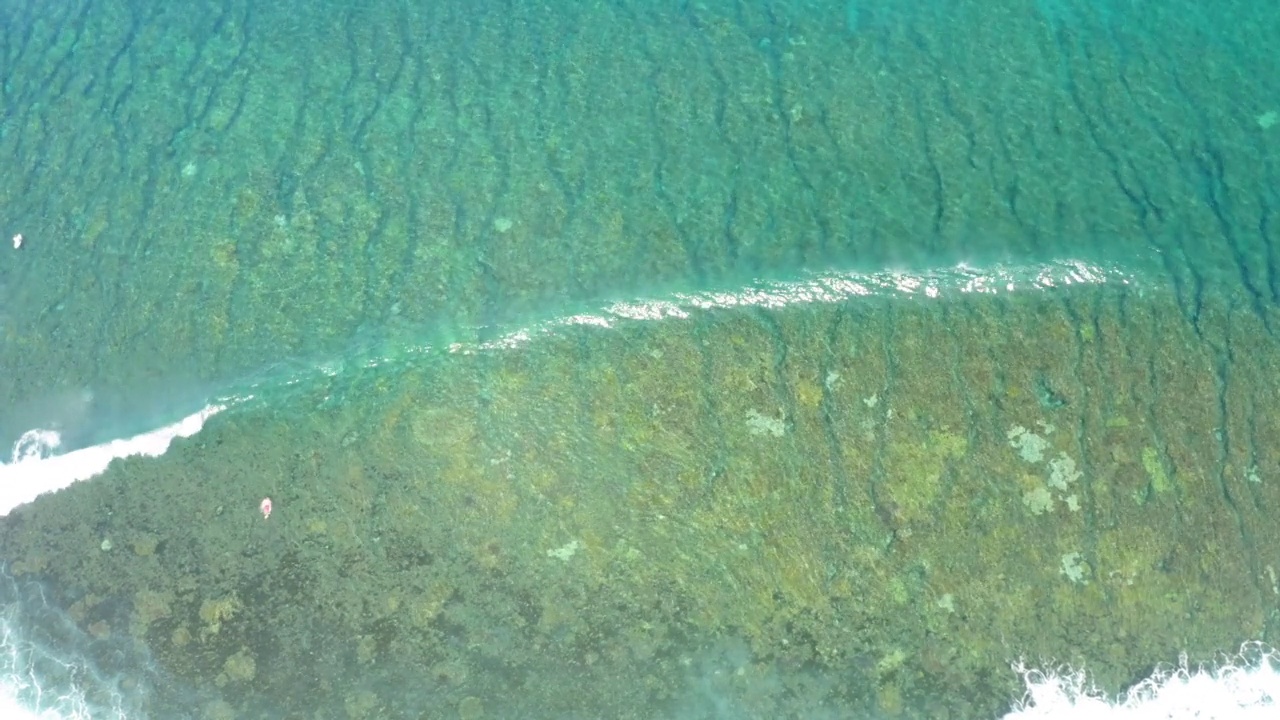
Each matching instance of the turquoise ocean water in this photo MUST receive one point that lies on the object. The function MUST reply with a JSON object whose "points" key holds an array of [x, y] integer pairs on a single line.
{"points": [[640, 359]]}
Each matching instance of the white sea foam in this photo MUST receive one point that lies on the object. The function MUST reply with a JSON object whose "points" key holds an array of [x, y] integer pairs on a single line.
{"points": [[1243, 687], [35, 468]]}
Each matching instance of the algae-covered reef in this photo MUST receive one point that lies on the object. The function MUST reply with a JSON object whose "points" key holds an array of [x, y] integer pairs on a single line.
{"points": [[864, 506]]}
